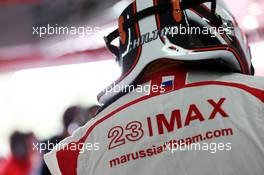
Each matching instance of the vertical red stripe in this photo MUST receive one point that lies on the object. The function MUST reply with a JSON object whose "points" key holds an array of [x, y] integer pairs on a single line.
{"points": [[157, 15], [135, 62], [150, 127]]}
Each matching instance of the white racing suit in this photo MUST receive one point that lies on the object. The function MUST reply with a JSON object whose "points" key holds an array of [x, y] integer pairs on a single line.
{"points": [[201, 123]]}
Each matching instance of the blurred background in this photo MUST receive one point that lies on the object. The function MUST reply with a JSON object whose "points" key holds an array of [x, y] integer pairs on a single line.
{"points": [[42, 78]]}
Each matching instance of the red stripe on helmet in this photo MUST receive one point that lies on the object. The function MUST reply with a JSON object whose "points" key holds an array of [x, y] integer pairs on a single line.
{"points": [[223, 48], [135, 62]]}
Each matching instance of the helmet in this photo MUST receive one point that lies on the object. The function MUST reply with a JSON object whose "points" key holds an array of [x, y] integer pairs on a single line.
{"points": [[189, 31]]}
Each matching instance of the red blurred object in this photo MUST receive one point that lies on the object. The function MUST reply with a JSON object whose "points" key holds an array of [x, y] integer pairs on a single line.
{"points": [[14, 166]]}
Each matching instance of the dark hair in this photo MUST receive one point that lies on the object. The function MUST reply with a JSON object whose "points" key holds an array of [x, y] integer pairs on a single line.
{"points": [[69, 115], [18, 144]]}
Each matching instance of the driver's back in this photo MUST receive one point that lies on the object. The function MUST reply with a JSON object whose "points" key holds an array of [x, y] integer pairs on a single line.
{"points": [[202, 123]]}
